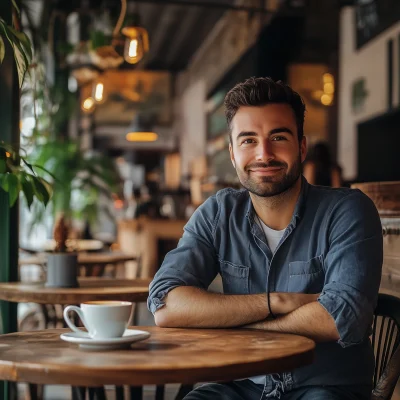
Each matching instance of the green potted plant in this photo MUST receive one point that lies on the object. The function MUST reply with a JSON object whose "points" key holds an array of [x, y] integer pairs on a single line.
{"points": [[16, 173], [78, 178]]}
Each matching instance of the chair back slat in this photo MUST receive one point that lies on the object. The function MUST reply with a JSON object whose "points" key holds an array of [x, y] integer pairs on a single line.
{"points": [[378, 347], [385, 341], [390, 341]]}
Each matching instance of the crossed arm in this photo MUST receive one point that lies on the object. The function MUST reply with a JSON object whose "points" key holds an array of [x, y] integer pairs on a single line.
{"points": [[191, 307]]}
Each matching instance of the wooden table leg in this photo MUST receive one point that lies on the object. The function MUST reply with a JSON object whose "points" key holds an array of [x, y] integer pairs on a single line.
{"points": [[136, 392], [33, 391], [97, 393], [13, 388], [160, 390], [78, 393], [119, 393], [183, 391]]}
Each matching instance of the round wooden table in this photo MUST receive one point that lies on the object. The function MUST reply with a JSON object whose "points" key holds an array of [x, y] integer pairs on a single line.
{"points": [[169, 356], [83, 258], [90, 289], [89, 261]]}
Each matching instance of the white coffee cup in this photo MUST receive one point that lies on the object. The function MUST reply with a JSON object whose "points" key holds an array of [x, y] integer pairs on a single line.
{"points": [[102, 319]]}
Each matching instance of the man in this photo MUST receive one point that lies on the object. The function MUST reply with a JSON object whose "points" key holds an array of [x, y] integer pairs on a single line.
{"points": [[293, 257]]}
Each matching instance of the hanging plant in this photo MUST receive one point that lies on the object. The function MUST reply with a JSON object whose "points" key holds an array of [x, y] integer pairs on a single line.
{"points": [[20, 43]]}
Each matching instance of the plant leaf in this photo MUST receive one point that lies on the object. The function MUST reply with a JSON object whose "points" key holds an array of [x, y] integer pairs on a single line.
{"points": [[11, 185], [22, 64], [40, 190], [28, 190], [2, 50], [4, 182], [25, 43], [45, 170], [3, 165], [22, 50], [15, 6]]}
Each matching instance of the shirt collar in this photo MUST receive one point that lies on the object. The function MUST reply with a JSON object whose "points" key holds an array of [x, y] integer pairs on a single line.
{"points": [[298, 210]]}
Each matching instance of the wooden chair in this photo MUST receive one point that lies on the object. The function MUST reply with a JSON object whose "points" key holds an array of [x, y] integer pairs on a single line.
{"points": [[385, 341]]}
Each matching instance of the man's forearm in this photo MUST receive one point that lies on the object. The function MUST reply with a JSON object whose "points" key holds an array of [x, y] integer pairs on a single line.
{"points": [[311, 320], [188, 306]]}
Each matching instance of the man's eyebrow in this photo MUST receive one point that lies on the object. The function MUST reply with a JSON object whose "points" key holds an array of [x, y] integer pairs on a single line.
{"points": [[271, 132], [280, 130], [246, 134]]}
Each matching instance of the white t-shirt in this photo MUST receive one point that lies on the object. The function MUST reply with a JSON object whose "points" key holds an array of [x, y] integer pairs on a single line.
{"points": [[273, 238]]}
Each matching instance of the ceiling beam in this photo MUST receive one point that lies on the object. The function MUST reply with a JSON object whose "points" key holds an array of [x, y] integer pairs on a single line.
{"points": [[208, 5], [182, 34], [169, 18]]}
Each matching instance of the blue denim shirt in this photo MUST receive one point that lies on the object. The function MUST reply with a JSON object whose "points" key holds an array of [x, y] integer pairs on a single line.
{"points": [[333, 246]]}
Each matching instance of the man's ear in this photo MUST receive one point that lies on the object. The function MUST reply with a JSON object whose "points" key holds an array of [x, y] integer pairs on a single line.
{"points": [[303, 148], [232, 156]]}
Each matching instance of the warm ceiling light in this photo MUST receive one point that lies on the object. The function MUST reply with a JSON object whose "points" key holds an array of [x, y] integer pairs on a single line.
{"points": [[329, 88], [98, 92], [88, 105], [8, 155], [141, 137], [328, 78], [136, 43], [326, 99]]}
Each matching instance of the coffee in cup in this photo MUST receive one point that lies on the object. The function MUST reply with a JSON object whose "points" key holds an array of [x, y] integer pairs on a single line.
{"points": [[102, 319]]}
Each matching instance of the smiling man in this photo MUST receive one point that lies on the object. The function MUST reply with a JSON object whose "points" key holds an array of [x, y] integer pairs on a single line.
{"points": [[293, 257]]}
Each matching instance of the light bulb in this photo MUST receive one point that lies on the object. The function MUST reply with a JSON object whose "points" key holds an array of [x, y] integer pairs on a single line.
{"points": [[329, 88], [88, 105], [136, 44], [98, 92], [326, 99], [327, 77], [133, 45], [133, 51]]}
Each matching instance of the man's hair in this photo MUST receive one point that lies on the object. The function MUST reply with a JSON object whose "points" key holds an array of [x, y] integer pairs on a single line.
{"points": [[260, 92]]}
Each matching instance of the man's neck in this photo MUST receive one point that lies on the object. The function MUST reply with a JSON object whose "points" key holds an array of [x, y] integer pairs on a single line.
{"points": [[276, 212]]}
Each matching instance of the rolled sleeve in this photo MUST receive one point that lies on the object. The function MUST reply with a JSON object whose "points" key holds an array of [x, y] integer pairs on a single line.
{"points": [[193, 262], [353, 267]]}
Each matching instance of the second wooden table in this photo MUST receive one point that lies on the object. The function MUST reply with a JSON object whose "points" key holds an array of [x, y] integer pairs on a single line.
{"points": [[90, 289]]}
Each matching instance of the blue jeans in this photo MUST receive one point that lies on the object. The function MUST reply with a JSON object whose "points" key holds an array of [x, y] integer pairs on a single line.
{"points": [[247, 390]]}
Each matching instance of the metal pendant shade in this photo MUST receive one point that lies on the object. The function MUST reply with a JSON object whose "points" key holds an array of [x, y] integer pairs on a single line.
{"points": [[141, 129]]}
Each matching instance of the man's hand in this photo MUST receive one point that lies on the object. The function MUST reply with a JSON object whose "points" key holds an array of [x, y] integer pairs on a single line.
{"points": [[284, 303], [302, 322]]}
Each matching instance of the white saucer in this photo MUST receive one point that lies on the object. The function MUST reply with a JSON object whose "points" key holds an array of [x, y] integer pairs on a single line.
{"points": [[86, 342]]}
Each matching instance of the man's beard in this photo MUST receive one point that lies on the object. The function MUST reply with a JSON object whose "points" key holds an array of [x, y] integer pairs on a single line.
{"points": [[269, 186]]}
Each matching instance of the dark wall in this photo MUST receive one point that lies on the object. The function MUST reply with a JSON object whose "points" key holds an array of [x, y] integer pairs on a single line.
{"points": [[379, 149], [278, 45]]}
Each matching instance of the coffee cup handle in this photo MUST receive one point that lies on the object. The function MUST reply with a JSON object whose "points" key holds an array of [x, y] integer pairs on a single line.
{"points": [[70, 323]]}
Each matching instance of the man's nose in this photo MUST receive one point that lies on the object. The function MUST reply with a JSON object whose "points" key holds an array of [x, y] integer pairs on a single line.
{"points": [[265, 151]]}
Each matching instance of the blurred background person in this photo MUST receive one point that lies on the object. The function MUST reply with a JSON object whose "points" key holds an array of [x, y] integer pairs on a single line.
{"points": [[319, 169]]}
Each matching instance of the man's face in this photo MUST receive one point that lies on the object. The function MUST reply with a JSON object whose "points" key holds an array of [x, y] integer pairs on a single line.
{"points": [[265, 149]]}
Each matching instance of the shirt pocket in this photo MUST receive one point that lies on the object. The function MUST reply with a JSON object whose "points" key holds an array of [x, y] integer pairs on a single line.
{"points": [[306, 276], [235, 278]]}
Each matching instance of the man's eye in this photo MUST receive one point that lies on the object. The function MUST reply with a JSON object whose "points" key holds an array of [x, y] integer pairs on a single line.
{"points": [[248, 141], [278, 138]]}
